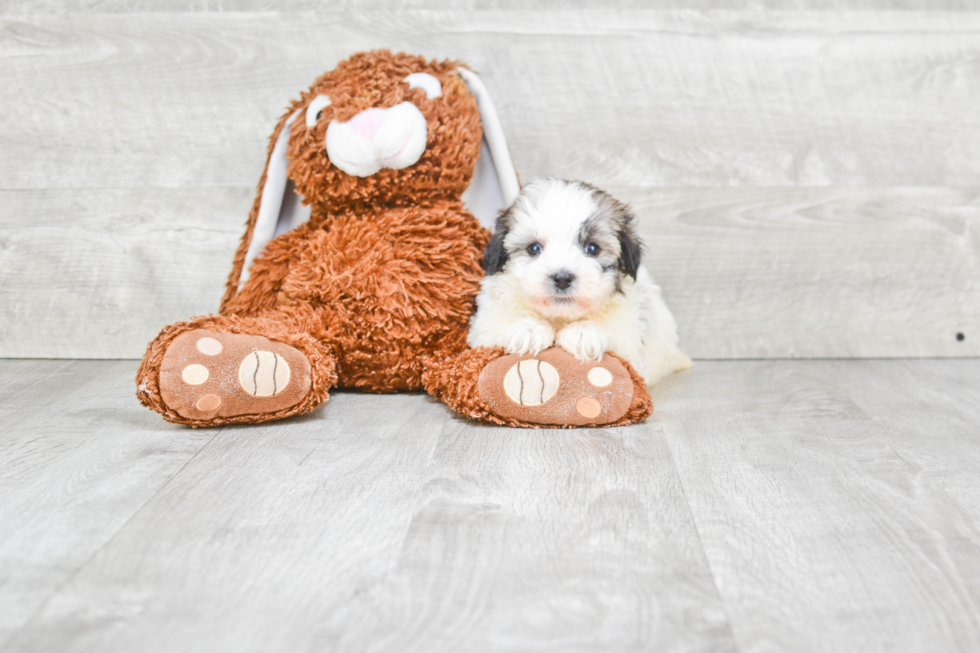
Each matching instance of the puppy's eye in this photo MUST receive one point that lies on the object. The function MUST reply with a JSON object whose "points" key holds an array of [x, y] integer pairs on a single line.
{"points": [[426, 82], [318, 104], [534, 249], [592, 249]]}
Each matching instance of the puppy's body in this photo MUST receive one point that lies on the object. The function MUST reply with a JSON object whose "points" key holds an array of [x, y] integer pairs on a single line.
{"points": [[563, 267]]}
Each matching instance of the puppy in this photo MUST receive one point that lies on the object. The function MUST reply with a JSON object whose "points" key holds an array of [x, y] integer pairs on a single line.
{"points": [[563, 267]]}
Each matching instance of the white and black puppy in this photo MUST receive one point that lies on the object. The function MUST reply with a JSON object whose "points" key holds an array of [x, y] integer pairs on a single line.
{"points": [[563, 267]]}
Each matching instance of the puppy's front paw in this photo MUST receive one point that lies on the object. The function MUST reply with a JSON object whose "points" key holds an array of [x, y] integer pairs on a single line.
{"points": [[529, 336], [584, 341]]}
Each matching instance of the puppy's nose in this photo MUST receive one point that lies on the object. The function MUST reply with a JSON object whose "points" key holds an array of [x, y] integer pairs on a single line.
{"points": [[563, 279], [367, 123]]}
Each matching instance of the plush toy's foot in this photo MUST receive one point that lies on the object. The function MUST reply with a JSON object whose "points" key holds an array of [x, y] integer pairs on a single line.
{"points": [[552, 388], [207, 374], [557, 389], [219, 375]]}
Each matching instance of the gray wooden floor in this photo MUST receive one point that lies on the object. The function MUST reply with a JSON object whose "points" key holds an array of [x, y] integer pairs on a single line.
{"points": [[767, 506]]}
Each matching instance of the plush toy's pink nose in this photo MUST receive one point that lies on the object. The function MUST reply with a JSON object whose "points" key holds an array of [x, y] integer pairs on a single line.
{"points": [[368, 122]]}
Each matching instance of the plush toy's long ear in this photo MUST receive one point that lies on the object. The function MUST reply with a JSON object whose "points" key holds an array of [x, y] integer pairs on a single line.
{"points": [[277, 209], [495, 185]]}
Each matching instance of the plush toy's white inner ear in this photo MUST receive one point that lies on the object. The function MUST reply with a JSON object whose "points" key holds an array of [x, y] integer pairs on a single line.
{"points": [[494, 186], [485, 198], [281, 208], [426, 82], [293, 212]]}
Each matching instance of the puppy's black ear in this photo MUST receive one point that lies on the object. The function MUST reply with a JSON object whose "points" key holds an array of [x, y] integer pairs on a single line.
{"points": [[630, 248], [494, 256]]}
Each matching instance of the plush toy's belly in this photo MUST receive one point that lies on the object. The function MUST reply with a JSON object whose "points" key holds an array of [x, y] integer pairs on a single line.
{"points": [[383, 291]]}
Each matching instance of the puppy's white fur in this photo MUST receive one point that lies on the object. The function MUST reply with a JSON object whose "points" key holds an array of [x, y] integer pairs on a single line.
{"points": [[583, 232]]}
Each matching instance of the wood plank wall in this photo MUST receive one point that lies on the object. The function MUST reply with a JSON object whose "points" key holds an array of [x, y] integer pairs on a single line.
{"points": [[806, 179]]}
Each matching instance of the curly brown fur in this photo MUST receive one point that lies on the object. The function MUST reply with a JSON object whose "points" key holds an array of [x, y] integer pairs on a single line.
{"points": [[387, 267], [381, 289]]}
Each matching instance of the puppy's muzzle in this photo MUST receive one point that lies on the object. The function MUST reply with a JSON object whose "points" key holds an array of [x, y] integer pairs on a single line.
{"points": [[563, 280]]}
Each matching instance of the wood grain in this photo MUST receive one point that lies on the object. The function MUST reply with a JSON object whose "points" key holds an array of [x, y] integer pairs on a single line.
{"points": [[749, 273], [546, 540], [767, 505], [387, 524], [817, 273], [44, 7], [132, 144], [634, 98], [831, 493], [98, 273], [80, 457]]}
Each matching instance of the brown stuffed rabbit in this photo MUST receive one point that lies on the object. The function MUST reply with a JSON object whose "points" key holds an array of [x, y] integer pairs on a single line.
{"points": [[360, 263]]}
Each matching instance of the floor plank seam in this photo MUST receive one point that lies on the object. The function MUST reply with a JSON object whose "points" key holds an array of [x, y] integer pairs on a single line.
{"points": [[697, 531]]}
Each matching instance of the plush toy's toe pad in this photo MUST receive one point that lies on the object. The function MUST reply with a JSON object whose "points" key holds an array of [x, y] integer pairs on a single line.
{"points": [[207, 374], [555, 388]]}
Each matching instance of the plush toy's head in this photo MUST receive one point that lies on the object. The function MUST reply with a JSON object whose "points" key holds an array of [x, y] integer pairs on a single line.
{"points": [[382, 127]]}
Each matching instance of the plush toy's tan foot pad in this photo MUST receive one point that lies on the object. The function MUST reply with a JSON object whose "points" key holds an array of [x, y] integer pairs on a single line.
{"points": [[554, 387], [207, 374]]}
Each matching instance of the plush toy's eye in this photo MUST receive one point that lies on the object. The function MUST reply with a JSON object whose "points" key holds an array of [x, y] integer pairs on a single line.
{"points": [[426, 82], [314, 109], [534, 249], [592, 249]]}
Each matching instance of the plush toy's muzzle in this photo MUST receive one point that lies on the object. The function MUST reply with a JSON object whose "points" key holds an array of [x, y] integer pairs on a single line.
{"points": [[377, 138]]}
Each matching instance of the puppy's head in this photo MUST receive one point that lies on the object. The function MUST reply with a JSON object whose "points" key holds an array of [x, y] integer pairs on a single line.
{"points": [[567, 244]]}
